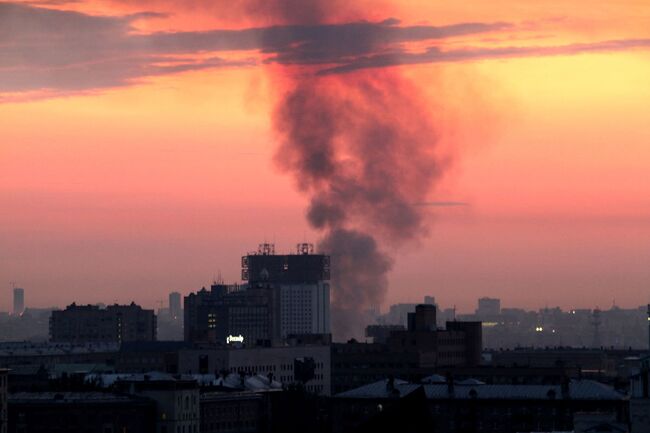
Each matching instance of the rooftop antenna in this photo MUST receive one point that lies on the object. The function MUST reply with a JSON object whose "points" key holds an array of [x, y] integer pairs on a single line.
{"points": [[305, 249], [266, 249]]}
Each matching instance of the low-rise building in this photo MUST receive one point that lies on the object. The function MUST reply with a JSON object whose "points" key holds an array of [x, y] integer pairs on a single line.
{"points": [[48, 354], [4, 376], [101, 412], [234, 412], [176, 397], [141, 357], [450, 407], [284, 364], [409, 353]]}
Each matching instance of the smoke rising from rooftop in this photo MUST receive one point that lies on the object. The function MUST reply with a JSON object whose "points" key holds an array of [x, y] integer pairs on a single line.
{"points": [[362, 148]]}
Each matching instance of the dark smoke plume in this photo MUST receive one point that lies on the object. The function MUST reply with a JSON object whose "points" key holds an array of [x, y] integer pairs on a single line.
{"points": [[362, 147]]}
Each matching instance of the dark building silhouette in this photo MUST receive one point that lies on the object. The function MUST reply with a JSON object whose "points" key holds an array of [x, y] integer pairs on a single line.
{"points": [[175, 310], [53, 412], [19, 301], [409, 353], [472, 406], [244, 412], [473, 336], [177, 399], [92, 324], [299, 268]]}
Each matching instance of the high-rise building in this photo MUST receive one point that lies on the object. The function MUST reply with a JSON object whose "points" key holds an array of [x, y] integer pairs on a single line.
{"points": [[232, 313], [304, 309], [92, 324], [488, 307], [19, 301], [175, 305], [302, 282], [283, 295]]}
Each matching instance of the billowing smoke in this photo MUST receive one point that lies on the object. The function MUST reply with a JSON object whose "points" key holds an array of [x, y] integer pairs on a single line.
{"points": [[362, 147]]}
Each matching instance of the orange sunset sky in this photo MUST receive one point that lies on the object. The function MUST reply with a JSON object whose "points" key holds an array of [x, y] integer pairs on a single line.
{"points": [[137, 144]]}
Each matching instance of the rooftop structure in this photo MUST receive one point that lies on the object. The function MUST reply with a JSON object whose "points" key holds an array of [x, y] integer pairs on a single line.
{"points": [[475, 389], [301, 267]]}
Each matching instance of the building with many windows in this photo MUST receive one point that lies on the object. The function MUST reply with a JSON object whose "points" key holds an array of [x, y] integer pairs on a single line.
{"points": [[226, 311], [283, 295], [92, 324], [308, 364], [304, 308]]}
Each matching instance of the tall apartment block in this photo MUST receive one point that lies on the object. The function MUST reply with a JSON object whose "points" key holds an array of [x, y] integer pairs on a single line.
{"points": [[175, 305], [282, 295], [302, 282], [92, 324], [19, 301]]}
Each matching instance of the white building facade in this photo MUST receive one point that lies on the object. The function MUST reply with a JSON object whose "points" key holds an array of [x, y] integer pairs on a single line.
{"points": [[304, 308]]}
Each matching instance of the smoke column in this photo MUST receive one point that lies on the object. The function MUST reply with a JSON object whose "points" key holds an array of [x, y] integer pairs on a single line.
{"points": [[361, 146]]}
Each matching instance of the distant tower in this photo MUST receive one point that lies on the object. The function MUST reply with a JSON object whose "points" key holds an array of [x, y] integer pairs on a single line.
{"points": [[596, 322], [175, 305], [19, 301], [648, 327]]}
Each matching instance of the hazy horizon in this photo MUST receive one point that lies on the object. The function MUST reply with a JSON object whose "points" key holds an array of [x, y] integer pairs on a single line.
{"points": [[144, 146]]}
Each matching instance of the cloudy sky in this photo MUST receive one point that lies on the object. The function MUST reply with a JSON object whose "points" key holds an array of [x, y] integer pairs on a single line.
{"points": [[139, 149]]}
